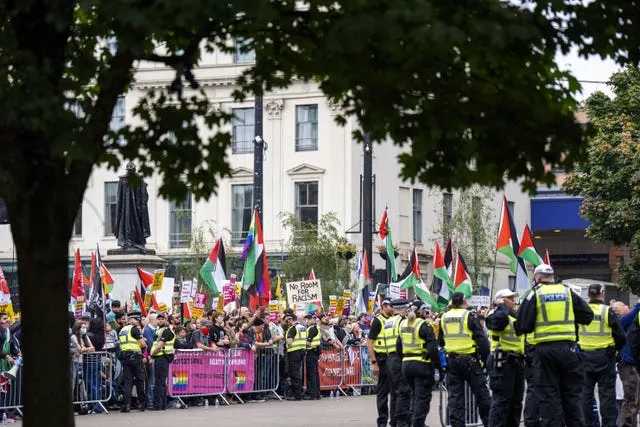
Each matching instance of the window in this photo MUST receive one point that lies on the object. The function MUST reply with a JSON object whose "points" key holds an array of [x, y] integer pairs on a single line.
{"points": [[118, 116], [180, 223], [307, 202], [110, 200], [306, 127], [243, 131], [447, 209], [417, 216], [511, 206], [512, 283], [242, 55], [77, 225], [241, 211]]}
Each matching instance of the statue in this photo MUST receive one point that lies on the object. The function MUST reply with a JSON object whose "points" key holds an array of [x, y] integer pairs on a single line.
{"points": [[132, 214]]}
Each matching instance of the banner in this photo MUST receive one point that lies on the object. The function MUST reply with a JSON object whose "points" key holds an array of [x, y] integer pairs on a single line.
{"points": [[366, 369], [333, 301], [330, 368], [303, 291], [229, 292], [347, 303], [240, 370], [158, 277], [185, 292], [274, 309], [198, 305], [197, 372]]}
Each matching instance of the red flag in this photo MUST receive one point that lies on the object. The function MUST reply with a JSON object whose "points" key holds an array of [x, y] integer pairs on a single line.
{"points": [[384, 226], [547, 259], [140, 299], [77, 286], [312, 275], [186, 314]]}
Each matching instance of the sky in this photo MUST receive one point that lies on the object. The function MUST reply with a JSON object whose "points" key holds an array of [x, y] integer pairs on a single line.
{"points": [[591, 69]]}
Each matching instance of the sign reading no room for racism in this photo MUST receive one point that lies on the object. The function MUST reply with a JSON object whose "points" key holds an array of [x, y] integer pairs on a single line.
{"points": [[303, 291]]}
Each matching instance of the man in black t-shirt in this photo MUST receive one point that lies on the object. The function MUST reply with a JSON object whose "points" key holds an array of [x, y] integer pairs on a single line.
{"points": [[217, 334]]}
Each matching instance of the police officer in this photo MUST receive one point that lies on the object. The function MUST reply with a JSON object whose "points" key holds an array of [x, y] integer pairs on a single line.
{"points": [[394, 367], [418, 348], [162, 353], [381, 341], [598, 343], [467, 347], [551, 312], [296, 346], [506, 363], [312, 357], [131, 345]]}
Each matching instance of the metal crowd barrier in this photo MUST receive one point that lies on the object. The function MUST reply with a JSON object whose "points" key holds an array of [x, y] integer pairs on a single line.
{"points": [[471, 417], [11, 393], [92, 385], [237, 371], [341, 370]]}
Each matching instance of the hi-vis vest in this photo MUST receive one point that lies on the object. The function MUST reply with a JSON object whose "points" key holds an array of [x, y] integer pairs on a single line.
{"points": [[388, 336], [300, 340], [507, 338], [127, 341], [315, 341], [168, 345], [597, 335], [458, 338], [413, 346], [555, 320]]}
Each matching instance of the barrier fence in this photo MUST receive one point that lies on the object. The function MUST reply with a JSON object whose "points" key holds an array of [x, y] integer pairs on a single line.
{"points": [[471, 415], [345, 369]]}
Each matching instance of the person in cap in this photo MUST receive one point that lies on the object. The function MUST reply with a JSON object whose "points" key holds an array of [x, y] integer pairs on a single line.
{"points": [[599, 344], [418, 349], [551, 313], [296, 348], [467, 348], [394, 368], [506, 363], [312, 358], [381, 341], [131, 345], [162, 354]]}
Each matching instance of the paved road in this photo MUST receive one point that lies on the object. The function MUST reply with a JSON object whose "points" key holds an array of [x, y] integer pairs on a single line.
{"points": [[347, 411]]}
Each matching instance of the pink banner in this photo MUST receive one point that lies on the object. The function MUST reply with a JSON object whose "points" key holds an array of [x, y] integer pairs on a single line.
{"points": [[197, 372], [240, 370]]}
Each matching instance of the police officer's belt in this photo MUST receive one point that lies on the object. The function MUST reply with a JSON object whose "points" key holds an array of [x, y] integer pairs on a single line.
{"points": [[511, 354]]}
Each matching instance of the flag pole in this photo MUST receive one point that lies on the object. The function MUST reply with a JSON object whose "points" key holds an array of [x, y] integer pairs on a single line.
{"points": [[495, 257]]}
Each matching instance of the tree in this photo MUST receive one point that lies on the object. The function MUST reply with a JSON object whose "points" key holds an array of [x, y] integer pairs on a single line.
{"points": [[317, 247], [453, 82], [473, 231], [609, 180]]}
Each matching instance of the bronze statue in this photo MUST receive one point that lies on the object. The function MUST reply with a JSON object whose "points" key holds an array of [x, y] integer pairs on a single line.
{"points": [[132, 214]]}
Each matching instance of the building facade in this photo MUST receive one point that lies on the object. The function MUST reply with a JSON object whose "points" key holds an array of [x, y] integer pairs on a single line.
{"points": [[312, 166]]}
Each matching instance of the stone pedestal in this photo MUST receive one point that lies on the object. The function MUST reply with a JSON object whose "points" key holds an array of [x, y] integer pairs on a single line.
{"points": [[122, 265]]}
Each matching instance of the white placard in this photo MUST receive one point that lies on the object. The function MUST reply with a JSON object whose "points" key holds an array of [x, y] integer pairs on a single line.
{"points": [[303, 291], [480, 301], [185, 292]]}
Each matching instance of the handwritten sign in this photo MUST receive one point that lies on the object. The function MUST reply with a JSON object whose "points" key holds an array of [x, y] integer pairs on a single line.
{"points": [[303, 291], [185, 292], [158, 277], [480, 301]]}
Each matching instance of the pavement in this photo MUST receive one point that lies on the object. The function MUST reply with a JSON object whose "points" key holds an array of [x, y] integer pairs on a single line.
{"points": [[352, 411]]}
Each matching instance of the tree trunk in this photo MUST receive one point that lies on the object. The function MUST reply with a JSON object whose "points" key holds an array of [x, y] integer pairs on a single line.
{"points": [[41, 223]]}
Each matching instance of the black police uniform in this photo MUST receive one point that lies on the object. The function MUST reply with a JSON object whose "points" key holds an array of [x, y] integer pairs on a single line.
{"points": [[507, 380], [311, 360], [386, 404], [400, 387], [600, 368], [161, 368], [469, 369], [420, 375], [531, 415], [295, 361], [133, 373], [558, 376]]}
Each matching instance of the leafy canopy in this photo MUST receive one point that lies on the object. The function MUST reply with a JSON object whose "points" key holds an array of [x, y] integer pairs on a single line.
{"points": [[474, 85], [609, 180]]}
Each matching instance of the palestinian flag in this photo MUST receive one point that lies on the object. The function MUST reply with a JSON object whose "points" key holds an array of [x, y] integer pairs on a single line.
{"points": [[385, 234], [462, 282], [509, 246], [527, 249], [107, 279], [412, 278], [442, 272], [255, 276], [214, 268], [145, 297], [547, 259], [186, 313], [364, 279]]}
